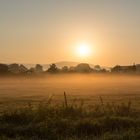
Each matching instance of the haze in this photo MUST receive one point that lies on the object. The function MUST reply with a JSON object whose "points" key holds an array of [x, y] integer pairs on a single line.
{"points": [[77, 86]]}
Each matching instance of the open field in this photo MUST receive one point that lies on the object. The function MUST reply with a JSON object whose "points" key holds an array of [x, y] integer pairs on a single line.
{"points": [[96, 107], [87, 87]]}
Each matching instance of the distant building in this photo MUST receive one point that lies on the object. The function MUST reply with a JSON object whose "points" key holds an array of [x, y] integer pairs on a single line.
{"points": [[138, 67], [124, 69]]}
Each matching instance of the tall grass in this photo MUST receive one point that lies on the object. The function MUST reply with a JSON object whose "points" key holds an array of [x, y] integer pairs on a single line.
{"points": [[47, 121]]}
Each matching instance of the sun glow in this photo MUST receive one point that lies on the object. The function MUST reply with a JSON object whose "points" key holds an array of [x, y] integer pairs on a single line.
{"points": [[83, 50]]}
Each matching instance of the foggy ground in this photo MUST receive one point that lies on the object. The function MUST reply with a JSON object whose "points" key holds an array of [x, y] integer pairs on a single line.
{"points": [[85, 86]]}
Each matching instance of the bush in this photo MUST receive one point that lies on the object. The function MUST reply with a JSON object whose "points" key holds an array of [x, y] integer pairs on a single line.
{"points": [[50, 122]]}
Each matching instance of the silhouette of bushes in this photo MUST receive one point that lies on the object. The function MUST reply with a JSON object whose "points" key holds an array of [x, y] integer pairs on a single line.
{"points": [[53, 69], [69, 122], [3, 68]]}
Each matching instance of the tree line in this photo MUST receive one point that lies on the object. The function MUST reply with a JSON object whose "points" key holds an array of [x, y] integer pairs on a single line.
{"points": [[80, 68]]}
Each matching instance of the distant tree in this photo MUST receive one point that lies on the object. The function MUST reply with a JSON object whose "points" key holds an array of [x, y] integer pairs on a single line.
{"points": [[31, 71], [22, 69], [65, 69], [53, 69], [83, 67], [3, 68], [97, 67], [72, 69], [103, 70], [38, 68], [14, 68]]}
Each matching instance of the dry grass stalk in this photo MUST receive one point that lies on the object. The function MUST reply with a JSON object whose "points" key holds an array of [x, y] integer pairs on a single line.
{"points": [[65, 99]]}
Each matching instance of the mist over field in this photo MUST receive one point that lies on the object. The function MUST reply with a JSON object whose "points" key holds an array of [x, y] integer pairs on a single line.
{"points": [[69, 70], [89, 87]]}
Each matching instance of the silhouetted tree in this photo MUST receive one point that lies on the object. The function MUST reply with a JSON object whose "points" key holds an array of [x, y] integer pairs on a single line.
{"points": [[83, 67], [72, 69], [22, 69], [103, 70], [97, 67], [38, 68], [3, 68], [31, 71], [13, 68], [65, 69], [53, 69]]}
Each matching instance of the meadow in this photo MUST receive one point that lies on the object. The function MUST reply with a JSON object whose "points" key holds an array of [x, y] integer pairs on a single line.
{"points": [[94, 107]]}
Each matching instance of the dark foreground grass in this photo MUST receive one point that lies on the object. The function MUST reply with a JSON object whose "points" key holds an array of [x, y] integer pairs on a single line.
{"points": [[71, 122]]}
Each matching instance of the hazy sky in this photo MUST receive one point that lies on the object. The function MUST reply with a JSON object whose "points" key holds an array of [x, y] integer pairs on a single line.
{"points": [[44, 31]]}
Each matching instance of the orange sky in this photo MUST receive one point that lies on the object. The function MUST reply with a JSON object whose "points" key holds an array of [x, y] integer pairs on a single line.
{"points": [[48, 31]]}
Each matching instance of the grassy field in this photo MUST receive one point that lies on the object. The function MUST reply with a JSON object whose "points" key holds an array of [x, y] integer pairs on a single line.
{"points": [[95, 107]]}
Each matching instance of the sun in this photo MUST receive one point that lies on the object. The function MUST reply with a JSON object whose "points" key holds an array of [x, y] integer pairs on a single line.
{"points": [[83, 50]]}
